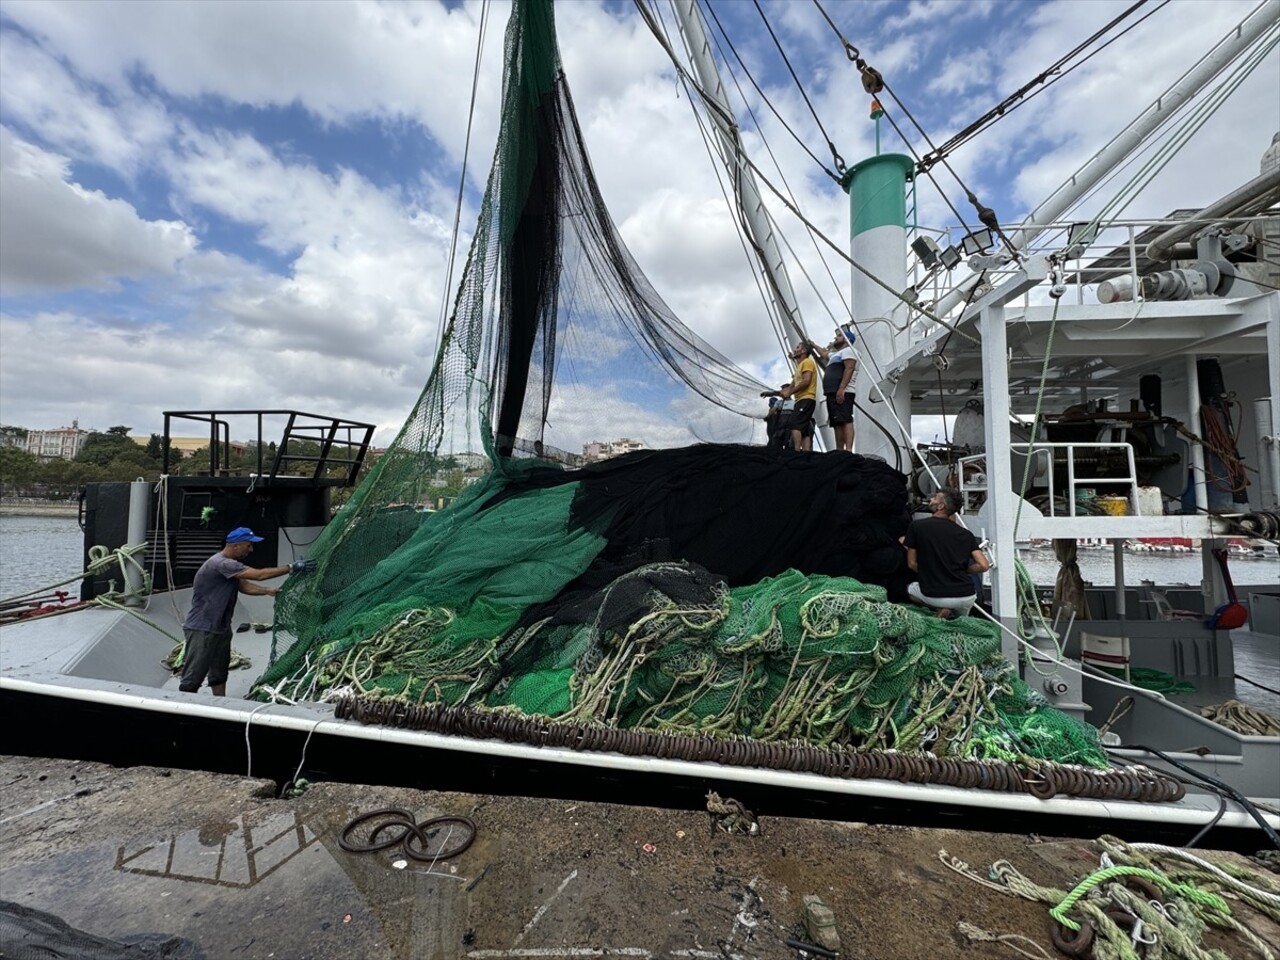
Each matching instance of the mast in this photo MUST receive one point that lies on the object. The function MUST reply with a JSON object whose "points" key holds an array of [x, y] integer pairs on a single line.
{"points": [[760, 229], [878, 240]]}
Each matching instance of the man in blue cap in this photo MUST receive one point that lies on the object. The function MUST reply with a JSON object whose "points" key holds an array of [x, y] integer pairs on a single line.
{"points": [[207, 626]]}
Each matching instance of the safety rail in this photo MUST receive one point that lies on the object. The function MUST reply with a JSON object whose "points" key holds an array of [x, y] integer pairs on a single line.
{"points": [[331, 449], [1074, 481], [1088, 254]]}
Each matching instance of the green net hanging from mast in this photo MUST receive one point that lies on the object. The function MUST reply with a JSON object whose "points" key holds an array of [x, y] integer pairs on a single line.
{"points": [[698, 586]]}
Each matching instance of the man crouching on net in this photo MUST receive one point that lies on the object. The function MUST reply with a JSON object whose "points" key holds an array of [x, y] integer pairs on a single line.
{"points": [[945, 556]]}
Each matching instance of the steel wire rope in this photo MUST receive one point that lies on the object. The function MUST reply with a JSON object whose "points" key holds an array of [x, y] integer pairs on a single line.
{"points": [[873, 81], [462, 180], [781, 175], [985, 215], [1181, 136], [765, 97], [1259, 283], [1046, 78], [812, 230], [1175, 137], [792, 207], [711, 105], [835, 154], [771, 310]]}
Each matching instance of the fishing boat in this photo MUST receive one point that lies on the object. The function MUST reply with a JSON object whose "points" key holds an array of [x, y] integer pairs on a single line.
{"points": [[1090, 357]]}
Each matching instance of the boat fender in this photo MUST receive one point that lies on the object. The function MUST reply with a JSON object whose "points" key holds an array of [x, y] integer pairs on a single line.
{"points": [[1233, 613]]}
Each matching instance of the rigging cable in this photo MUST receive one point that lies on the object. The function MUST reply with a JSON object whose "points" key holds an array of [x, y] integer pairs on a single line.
{"points": [[1177, 138], [775, 319], [709, 102], [839, 292], [810, 231], [1044, 80], [765, 97], [792, 207], [835, 154], [775, 303], [873, 82], [462, 181]]}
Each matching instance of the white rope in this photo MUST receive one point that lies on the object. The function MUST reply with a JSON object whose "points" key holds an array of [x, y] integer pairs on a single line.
{"points": [[1226, 878], [248, 772], [162, 530], [977, 934], [1067, 664], [303, 759], [962, 868]]}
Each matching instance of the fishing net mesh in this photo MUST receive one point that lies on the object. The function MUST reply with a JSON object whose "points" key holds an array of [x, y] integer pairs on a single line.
{"points": [[585, 593]]}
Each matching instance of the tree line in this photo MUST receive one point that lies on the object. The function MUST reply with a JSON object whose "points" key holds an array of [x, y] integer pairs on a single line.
{"points": [[112, 455]]}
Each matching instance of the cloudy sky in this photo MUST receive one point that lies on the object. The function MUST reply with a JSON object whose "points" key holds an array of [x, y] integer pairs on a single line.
{"points": [[241, 204]]}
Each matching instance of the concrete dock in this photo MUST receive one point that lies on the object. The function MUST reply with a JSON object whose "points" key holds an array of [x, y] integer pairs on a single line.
{"points": [[217, 866]]}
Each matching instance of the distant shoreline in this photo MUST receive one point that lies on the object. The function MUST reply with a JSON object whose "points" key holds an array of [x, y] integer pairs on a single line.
{"points": [[39, 509]]}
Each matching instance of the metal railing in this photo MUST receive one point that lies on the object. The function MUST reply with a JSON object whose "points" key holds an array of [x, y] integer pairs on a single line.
{"points": [[1096, 255], [333, 449], [1108, 452]]}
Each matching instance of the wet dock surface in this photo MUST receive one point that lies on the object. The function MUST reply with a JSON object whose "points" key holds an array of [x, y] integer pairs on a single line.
{"points": [[219, 862]]}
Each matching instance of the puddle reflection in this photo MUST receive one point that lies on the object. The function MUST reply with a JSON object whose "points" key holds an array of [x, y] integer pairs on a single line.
{"points": [[244, 854]]}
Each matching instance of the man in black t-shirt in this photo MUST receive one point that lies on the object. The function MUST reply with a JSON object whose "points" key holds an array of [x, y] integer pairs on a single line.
{"points": [[945, 556]]}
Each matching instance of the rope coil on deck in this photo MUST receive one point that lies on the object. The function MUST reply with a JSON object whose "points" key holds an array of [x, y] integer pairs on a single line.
{"points": [[1039, 778]]}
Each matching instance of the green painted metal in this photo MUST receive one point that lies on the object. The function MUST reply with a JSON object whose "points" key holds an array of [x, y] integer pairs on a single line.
{"points": [[878, 192]]}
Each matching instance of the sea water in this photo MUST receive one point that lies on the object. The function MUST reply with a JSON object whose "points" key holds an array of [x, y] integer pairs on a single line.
{"points": [[36, 552], [1170, 569]]}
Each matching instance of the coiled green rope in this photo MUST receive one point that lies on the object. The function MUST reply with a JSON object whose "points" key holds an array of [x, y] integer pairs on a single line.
{"points": [[1186, 891]]}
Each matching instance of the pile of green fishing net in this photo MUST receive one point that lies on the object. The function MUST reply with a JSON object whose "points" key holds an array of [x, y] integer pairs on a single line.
{"points": [[824, 660]]}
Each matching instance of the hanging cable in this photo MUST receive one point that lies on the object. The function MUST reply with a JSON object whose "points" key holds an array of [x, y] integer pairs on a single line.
{"points": [[835, 154], [1043, 80], [769, 103], [462, 178], [1178, 137], [836, 287], [873, 82], [771, 312], [710, 104]]}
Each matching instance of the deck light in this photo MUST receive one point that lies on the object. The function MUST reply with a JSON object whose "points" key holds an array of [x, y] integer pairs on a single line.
{"points": [[927, 250], [950, 257], [977, 242], [1079, 238]]}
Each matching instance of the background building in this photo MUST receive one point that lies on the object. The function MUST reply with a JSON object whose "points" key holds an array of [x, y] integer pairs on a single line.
{"points": [[62, 443], [13, 437], [604, 449]]}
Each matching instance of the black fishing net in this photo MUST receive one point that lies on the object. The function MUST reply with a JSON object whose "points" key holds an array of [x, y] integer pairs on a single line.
{"points": [[710, 587]]}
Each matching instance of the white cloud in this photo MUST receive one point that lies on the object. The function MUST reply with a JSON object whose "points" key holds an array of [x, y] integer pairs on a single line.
{"points": [[344, 315], [340, 61], [36, 90], [56, 235]]}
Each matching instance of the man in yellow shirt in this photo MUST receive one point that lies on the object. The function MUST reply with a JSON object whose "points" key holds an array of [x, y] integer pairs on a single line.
{"points": [[803, 388]]}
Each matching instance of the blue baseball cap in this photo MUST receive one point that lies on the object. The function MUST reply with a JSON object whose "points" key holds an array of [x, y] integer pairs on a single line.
{"points": [[243, 535]]}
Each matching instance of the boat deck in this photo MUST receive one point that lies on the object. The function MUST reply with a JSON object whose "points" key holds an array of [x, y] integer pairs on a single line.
{"points": [[1257, 658], [100, 668]]}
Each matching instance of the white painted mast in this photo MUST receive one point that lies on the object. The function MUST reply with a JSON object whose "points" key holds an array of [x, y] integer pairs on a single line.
{"points": [[746, 190], [760, 227]]}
